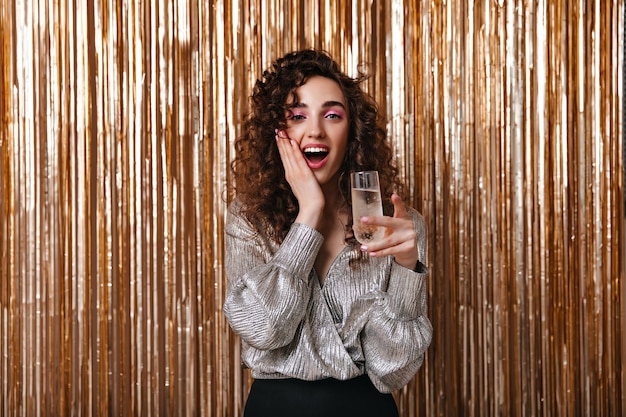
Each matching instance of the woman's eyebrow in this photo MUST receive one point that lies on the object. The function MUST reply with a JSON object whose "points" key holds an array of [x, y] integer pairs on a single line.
{"points": [[330, 103], [333, 103]]}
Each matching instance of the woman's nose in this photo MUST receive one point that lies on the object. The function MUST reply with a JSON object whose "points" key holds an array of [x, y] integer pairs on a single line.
{"points": [[315, 129]]}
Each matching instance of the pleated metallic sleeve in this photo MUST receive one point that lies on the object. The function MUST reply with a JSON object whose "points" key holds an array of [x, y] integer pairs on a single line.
{"points": [[368, 316]]}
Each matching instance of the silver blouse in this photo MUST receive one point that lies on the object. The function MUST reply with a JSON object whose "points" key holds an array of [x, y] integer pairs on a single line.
{"points": [[369, 317]]}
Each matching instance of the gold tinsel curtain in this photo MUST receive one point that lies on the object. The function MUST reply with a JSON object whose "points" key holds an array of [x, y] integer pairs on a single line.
{"points": [[117, 124]]}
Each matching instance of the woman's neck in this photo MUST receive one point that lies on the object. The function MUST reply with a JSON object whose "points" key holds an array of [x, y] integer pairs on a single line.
{"points": [[333, 199]]}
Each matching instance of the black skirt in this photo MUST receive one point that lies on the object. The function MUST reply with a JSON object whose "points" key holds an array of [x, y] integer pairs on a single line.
{"points": [[326, 398]]}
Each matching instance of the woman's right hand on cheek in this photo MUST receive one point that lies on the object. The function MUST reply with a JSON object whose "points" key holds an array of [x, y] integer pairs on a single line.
{"points": [[303, 183]]}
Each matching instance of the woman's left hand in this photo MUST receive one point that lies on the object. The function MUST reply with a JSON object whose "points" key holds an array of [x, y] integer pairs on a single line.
{"points": [[400, 239]]}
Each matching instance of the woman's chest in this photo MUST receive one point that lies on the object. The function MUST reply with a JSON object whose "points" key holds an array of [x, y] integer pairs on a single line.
{"points": [[350, 280], [333, 245]]}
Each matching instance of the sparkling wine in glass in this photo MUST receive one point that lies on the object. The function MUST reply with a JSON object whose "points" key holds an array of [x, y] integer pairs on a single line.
{"points": [[366, 201]]}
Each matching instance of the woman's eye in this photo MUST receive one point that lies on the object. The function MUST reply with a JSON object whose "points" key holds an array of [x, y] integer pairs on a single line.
{"points": [[333, 116], [296, 117]]}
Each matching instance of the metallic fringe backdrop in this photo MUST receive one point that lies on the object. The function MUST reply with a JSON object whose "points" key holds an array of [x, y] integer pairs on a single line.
{"points": [[117, 125]]}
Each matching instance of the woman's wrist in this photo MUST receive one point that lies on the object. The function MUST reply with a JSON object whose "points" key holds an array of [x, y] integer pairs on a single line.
{"points": [[310, 217], [407, 263]]}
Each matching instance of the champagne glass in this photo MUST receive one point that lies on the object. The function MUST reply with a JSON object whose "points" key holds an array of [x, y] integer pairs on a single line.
{"points": [[366, 201]]}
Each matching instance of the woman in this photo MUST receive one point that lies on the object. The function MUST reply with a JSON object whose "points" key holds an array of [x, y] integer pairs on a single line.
{"points": [[328, 326]]}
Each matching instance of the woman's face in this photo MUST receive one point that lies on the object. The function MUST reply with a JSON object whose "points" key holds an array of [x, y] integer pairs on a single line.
{"points": [[319, 122]]}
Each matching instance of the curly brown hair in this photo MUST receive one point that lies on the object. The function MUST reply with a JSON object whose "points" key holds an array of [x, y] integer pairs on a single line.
{"points": [[259, 175]]}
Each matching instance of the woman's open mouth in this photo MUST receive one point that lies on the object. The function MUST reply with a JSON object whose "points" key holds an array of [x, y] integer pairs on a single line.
{"points": [[316, 156]]}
